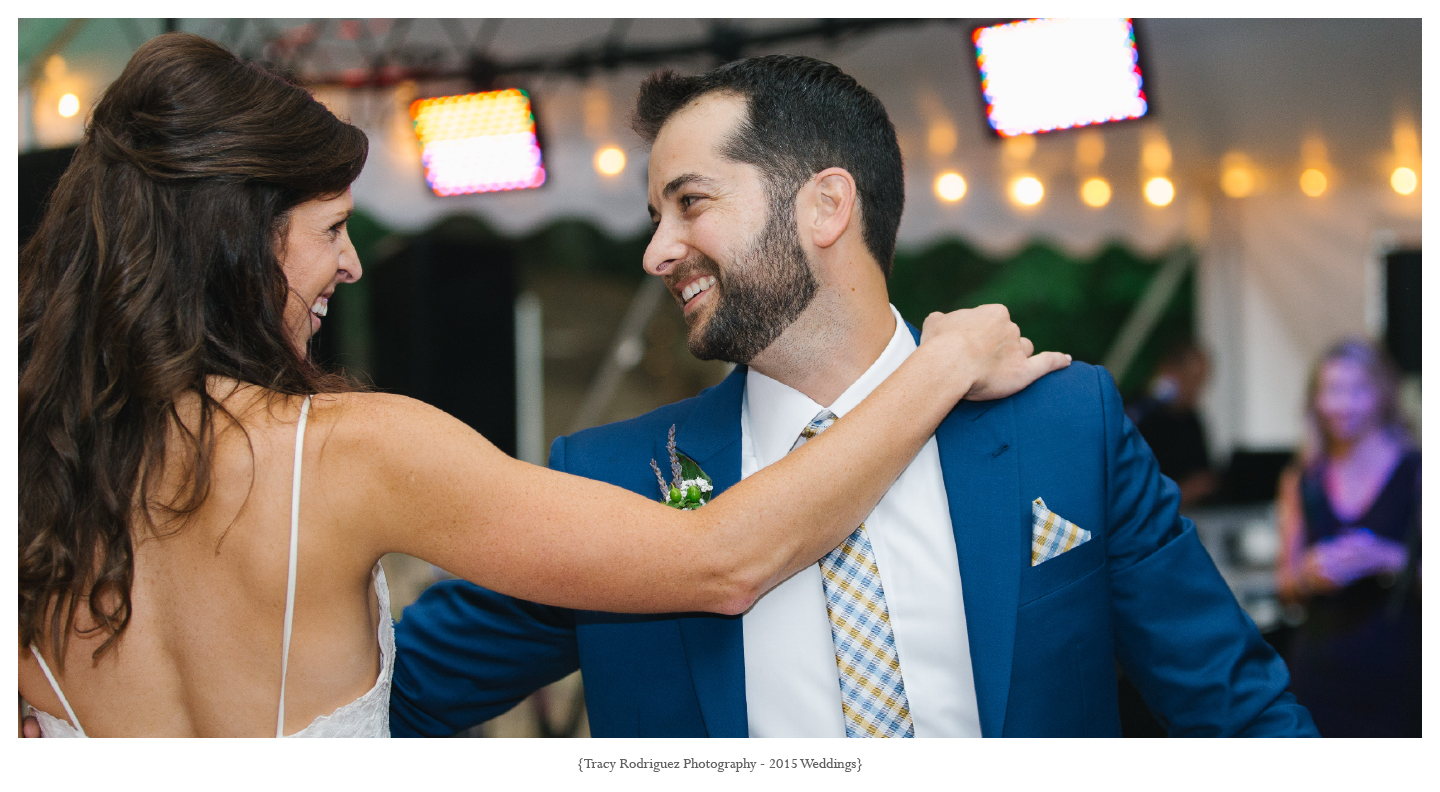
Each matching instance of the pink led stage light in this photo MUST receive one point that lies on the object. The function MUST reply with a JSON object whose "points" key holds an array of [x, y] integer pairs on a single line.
{"points": [[480, 142]]}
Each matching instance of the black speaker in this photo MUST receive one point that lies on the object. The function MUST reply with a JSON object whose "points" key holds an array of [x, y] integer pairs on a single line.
{"points": [[1253, 476], [1402, 309], [442, 311], [37, 175]]}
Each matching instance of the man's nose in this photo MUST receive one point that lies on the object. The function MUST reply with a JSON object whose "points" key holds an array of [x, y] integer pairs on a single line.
{"points": [[664, 251]]}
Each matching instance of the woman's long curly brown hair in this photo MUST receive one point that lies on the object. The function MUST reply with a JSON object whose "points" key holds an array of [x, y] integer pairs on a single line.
{"points": [[155, 267]]}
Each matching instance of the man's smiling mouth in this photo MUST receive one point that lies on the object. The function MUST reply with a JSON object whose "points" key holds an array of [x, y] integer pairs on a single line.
{"points": [[696, 288]]}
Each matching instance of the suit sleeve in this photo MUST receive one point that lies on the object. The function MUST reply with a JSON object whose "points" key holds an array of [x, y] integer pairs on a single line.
{"points": [[465, 654], [1196, 657]]}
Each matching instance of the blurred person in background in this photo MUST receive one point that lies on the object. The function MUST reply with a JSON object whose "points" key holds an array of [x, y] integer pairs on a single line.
{"points": [[1349, 517], [1168, 420]]}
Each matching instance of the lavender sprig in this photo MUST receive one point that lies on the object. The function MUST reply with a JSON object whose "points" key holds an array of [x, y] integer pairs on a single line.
{"points": [[674, 460], [659, 479]]}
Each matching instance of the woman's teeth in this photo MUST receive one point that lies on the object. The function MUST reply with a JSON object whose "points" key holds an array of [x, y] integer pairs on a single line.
{"points": [[321, 306], [696, 287]]}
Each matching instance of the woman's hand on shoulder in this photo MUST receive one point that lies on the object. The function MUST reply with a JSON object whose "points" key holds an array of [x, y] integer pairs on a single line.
{"points": [[983, 347]]}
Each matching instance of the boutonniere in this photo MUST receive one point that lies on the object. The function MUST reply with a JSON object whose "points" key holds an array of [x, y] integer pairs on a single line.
{"points": [[689, 487]]}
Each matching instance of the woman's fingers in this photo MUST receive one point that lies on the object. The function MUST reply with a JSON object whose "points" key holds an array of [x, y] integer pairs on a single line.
{"points": [[1043, 363]]}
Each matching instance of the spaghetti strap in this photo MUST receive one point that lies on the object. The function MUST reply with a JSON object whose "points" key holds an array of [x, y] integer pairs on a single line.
{"points": [[55, 686], [294, 555]]}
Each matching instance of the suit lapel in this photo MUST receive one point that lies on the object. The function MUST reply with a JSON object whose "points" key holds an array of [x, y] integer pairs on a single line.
{"points": [[981, 469], [714, 645]]}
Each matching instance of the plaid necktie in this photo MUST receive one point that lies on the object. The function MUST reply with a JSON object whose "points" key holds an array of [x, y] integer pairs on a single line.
{"points": [[872, 693]]}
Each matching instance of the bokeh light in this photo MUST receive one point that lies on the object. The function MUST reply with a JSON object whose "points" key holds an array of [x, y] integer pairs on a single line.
{"points": [[1313, 182], [1027, 191], [480, 142], [1404, 181], [1160, 191], [610, 160], [1155, 155], [1095, 192], [69, 105], [950, 186], [1237, 178]]}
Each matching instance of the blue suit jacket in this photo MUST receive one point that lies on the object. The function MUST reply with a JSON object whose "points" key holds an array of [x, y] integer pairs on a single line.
{"points": [[1043, 639]]}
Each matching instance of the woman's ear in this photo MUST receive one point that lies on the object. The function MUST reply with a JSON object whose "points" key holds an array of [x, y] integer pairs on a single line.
{"points": [[832, 205]]}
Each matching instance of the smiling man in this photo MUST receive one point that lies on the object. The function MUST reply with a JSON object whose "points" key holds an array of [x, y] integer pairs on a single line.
{"points": [[1031, 543]]}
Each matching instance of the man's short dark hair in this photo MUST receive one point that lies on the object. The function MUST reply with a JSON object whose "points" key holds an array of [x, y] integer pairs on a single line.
{"points": [[804, 115]]}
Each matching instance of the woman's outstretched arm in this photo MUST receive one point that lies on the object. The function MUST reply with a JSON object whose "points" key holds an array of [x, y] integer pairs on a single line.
{"points": [[418, 481]]}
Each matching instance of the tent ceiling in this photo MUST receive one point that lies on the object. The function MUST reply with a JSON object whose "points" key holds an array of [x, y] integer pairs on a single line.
{"points": [[1217, 84]]}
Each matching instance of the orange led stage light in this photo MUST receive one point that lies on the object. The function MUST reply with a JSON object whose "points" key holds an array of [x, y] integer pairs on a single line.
{"points": [[479, 142]]}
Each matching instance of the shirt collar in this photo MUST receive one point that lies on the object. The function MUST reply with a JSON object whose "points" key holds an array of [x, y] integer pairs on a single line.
{"points": [[777, 412]]}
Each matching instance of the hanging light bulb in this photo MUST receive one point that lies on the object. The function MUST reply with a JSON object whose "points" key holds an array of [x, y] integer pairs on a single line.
{"points": [[69, 105], [1027, 190], [1095, 192], [610, 160], [1404, 181], [1313, 182], [1237, 177], [950, 186], [1160, 191]]}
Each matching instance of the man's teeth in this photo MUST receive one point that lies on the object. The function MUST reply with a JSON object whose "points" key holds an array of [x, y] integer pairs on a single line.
{"points": [[321, 307], [696, 287]]}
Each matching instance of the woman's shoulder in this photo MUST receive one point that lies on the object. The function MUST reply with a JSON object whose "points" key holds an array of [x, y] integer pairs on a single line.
{"points": [[376, 415], [385, 428]]}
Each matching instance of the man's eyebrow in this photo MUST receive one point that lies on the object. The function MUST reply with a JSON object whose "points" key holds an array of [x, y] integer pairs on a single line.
{"points": [[682, 180]]}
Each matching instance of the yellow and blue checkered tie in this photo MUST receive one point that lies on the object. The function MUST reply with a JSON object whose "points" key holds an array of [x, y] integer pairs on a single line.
{"points": [[872, 692]]}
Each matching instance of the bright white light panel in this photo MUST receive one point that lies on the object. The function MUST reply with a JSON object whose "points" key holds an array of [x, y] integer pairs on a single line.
{"points": [[480, 142], [1040, 75]]}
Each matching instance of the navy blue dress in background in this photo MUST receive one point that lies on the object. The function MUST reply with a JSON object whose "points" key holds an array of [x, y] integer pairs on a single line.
{"points": [[1355, 662]]}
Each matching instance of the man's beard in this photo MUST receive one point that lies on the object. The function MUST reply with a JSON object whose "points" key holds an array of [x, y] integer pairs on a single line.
{"points": [[761, 295]]}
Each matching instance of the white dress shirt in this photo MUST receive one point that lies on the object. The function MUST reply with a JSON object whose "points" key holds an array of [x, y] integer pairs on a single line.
{"points": [[792, 686]]}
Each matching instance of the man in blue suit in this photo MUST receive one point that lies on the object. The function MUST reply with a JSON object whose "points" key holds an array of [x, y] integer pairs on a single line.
{"points": [[1031, 543]]}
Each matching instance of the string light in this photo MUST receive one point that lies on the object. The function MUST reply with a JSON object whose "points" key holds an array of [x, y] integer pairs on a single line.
{"points": [[1313, 182], [69, 105], [950, 186], [1237, 178], [480, 142], [1160, 191], [1404, 181], [610, 160], [1095, 192], [1027, 191]]}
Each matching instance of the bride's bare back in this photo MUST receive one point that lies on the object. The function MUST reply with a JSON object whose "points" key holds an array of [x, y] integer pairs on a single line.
{"points": [[201, 656]]}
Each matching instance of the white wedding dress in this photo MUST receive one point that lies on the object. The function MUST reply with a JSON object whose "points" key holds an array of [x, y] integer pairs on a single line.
{"points": [[367, 716]]}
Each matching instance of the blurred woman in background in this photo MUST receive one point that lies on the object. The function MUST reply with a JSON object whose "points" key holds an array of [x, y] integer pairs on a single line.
{"points": [[1350, 531]]}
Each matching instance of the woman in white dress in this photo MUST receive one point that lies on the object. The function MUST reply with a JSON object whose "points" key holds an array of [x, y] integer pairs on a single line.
{"points": [[202, 509]]}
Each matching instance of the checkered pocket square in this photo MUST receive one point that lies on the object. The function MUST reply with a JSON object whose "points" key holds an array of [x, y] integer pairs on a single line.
{"points": [[1051, 534]]}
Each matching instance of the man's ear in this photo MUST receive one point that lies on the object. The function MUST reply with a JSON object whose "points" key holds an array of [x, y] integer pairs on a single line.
{"points": [[831, 206]]}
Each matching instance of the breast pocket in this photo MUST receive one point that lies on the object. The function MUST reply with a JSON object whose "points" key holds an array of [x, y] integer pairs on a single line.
{"points": [[1056, 573]]}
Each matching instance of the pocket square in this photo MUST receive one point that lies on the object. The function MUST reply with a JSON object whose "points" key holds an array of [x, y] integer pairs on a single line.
{"points": [[1052, 534]]}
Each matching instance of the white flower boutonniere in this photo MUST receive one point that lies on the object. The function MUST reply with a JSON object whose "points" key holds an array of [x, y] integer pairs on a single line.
{"points": [[690, 487]]}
